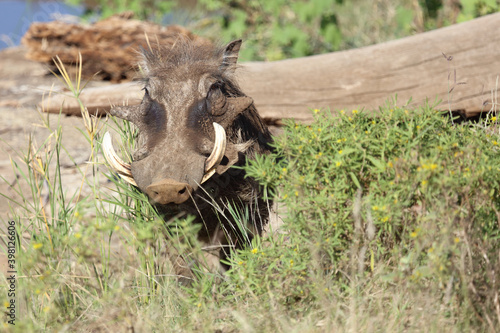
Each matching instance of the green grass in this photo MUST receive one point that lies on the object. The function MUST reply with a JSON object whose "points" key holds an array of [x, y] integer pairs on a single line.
{"points": [[392, 223]]}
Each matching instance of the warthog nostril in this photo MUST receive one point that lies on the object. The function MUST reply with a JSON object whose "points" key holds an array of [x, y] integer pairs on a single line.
{"points": [[168, 191]]}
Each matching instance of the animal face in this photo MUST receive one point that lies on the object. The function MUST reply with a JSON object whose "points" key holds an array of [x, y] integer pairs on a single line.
{"points": [[194, 122]]}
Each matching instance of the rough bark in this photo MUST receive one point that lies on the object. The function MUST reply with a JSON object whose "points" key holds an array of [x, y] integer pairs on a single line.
{"points": [[109, 47]]}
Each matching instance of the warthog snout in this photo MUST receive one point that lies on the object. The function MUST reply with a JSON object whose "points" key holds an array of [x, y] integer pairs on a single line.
{"points": [[168, 191]]}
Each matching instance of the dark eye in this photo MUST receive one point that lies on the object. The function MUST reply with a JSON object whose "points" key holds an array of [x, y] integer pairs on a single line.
{"points": [[146, 91], [214, 89]]}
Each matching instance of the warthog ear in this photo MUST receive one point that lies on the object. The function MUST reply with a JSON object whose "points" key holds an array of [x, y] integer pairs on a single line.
{"points": [[230, 55], [234, 106]]}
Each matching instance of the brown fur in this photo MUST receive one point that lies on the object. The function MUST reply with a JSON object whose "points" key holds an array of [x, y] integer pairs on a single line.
{"points": [[188, 87]]}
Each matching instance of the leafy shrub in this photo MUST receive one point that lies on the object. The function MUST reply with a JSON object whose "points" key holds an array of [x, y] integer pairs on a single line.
{"points": [[143, 9], [406, 196], [283, 29]]}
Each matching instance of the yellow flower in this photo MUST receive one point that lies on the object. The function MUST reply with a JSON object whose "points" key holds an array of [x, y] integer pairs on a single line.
{"points": [[493, 118], [413, 234], [354, 111], [375, 207], [316, 110], [255, 250], [78, 235], [342, 111], [117, 227], [338, 163], [424, 182], [296, 193], [37, 246], [457, 239], [340, 151], [495, 143]]}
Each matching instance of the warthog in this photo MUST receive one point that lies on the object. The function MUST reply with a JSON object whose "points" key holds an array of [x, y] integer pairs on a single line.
{"points": [[194, 124]]}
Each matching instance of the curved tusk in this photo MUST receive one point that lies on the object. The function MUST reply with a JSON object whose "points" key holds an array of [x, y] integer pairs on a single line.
{"points": [[116, 163], [217, 154]]}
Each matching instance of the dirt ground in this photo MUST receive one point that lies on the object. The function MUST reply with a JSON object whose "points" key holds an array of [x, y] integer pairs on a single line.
{"points": [[24, 84]]}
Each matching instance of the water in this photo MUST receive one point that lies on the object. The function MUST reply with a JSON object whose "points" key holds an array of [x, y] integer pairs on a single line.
{"points": [[16, 17]]}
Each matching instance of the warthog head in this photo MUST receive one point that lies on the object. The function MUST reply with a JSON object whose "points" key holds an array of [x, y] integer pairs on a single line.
{"points": [[194, 124]]}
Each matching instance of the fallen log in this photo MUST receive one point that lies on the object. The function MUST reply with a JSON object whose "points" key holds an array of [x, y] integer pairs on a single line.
{"points": [[459, 65]]}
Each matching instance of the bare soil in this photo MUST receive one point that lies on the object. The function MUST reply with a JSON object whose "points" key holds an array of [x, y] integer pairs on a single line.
{"points": [[23, 84]]}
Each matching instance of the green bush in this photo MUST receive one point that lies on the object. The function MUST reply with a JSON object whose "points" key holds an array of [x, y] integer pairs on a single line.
{"points": [[281, 29], [151, 10], [402, 196]]}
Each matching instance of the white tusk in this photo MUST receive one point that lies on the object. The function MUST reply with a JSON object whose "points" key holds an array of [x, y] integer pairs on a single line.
{"points": [[217, 154], [116, 163]]}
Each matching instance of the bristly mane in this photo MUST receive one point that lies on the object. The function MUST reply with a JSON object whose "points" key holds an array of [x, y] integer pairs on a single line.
{"points": [[197, 55]]}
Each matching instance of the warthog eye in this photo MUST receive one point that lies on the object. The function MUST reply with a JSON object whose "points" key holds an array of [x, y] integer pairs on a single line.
{"points": [[146, 91]]}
